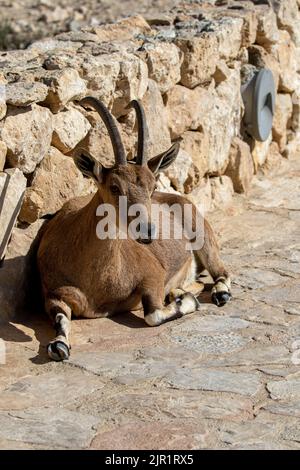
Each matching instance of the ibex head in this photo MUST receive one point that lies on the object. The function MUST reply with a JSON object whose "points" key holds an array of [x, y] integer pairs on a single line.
{"points": [[137, 179]]}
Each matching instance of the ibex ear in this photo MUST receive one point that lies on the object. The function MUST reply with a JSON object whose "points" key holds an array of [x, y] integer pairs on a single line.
{"points": [[164, 160], [88, 165]]}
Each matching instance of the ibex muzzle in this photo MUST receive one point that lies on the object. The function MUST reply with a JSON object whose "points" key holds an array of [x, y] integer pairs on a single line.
{"points": [[147, 232]]}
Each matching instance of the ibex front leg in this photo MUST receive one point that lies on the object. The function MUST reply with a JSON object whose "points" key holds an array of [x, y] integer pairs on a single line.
{"points": [[60, 313], [208, 257], [156, 313]]}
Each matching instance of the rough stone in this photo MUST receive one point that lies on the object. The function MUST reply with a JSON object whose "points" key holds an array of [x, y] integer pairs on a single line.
{"points": [[295, 122], [209, 325], [221, 191], [101, 74], [267, 30], [246, 12], [293, 145], [279, 371], [260, 58], [158, 405], [63, 86], [212, 344], [200, 56], [282, 117], [122, 30], [69, 128], [24, 93], [122, 367], [47, 45], [215, 380], [274, 354], [284, 408], [19, 60], [272, 296], [51, 427], [183, 108], [221, 40], [128, 129], [138, 434], [45, 390], [216, 113], [164, 62], [274, 162], [180, 170], [260, 151], [201, 196], [55, 181], [97, 142], [284, 389], [285, 53], [254, 278], [291, 433], [226, 110], [229, 34], [132, 368], [193, 179], [157, 120], [240, 167], [196, 144], [288, 18], [132, 83], [3, 152], [159, 19], [253, 433], [27, 133]]}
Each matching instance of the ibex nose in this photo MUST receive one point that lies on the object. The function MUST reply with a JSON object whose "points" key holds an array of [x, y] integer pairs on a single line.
{"points": [[147, 232]]}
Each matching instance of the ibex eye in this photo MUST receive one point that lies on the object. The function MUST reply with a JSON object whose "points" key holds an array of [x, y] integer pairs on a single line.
{"points": [[115, 189]]}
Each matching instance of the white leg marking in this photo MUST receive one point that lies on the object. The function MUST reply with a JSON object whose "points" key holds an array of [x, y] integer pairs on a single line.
{"points": [[184, 305], [155, 318]]}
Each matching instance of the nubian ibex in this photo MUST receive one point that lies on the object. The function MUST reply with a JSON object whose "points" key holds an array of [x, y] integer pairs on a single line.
{"points": [[83, 275]]}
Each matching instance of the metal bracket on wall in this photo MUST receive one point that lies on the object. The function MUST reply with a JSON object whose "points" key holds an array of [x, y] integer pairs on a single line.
{"points": [[259, 101]]}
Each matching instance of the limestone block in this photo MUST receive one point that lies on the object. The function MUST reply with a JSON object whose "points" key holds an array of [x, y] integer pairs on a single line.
{"points": [[222, 191], [69, 128], [64, 86], [55, 181], [282, 117], [240, 167], [164, 62], [27, 132], [25, 93]]}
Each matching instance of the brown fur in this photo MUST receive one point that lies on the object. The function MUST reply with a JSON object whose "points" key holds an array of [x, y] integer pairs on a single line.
{"points": [[83, 276]]}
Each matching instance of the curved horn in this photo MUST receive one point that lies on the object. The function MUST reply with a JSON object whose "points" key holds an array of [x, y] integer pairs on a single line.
{"points": [[143, 134], [109, 121]]}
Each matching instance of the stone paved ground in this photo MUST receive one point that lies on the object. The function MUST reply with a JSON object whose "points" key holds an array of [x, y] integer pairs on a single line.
{"points": [[220, 378]]}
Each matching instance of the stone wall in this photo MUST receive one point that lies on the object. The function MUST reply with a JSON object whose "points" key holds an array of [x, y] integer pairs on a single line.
{"points": [[187, 68]]}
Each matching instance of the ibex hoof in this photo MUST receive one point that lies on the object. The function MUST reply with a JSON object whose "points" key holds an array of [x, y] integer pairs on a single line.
{"points": [[221, 298], [58, 351]]}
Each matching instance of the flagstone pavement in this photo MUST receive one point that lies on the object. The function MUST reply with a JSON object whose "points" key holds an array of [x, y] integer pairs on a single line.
{"points": [[221, 378]]}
